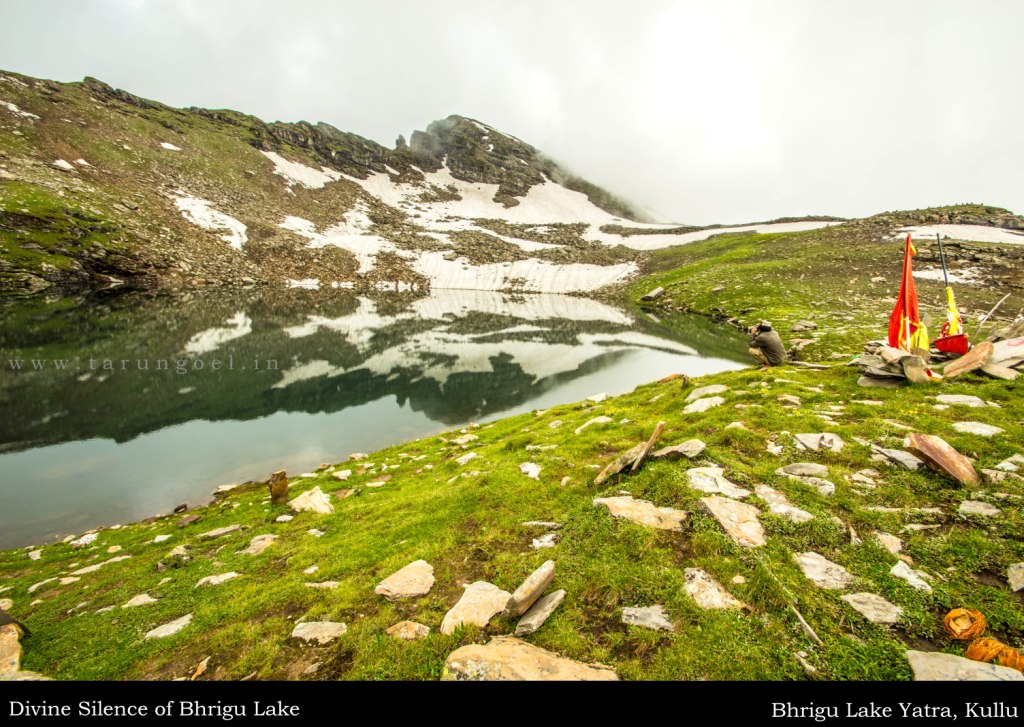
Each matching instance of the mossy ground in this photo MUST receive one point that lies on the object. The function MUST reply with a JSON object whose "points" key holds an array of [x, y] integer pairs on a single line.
{"points": [[466, 520]]}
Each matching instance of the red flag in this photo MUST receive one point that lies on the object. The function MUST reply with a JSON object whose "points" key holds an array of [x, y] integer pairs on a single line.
{"points": [[905, 328]]}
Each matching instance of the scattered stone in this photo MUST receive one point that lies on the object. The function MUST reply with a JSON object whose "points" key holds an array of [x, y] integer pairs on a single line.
{"points": [[343, 475], [597, 398], [284, 518], [650, 617], [778, 504], [620, 462], [278, 488], [408, 631], [736, 425], [170, 628], [1015, 576], [314, 500], [707, 592], [804, 326], [897, 456], [818, 442], [911, 576], [539, 613], [774, 448], [934, 666], [738, 519], [531, 470], [480, 602], [1011, 464], [188, 520], [258, 544], [35, 554], [874, 608], [653, 294], [643, 512], [690, 448], [544, 541], [739, 580], [939, 455], [323, 585], [415, 579], [960, 400], [542, 524], [161, 538], [311, 570], [36, 586], [465, 439], [6, 604], [322, 632], [68, 580], [975, 507], [97, 566], [703, 391], [357, 456], [220, 532], [466, 458], [216, 580], [530, 590], [555, 424], [595, 420], [803, 469], [979, 355], [713, 481], [10, 650], [702, 405], [890, 542], [143, 599], [85, 540], [982, 430], [823, 572], [506, 658], [790, 399], [878, 382]]}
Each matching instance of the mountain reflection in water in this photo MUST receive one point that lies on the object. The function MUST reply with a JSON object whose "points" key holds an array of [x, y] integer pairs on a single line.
{"points": [[237, 385]]}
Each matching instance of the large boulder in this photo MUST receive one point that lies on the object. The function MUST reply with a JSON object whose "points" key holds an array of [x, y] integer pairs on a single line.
{"points": [[506, 658]]}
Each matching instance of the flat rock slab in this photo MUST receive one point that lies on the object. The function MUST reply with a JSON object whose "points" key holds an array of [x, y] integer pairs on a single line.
{"points": [[960, 400], [874, 608], [738, 519], [408, 631], [322, 632], [530, 590], [914, 578], [643, 512], [506, 658], [707, 592], [539, 613], [690, 448], [258, 544], [940, 456], [702, 405], [976, 507], [1015, 576], [899, 457], [10, 650], [480, 602], [978, 356], [1011, 464], [778, 504], [171, 628], [314, 500], [595, 420], [216, 580], [220, 532], [803, 469], [415, 579], [934, 666], [143, 599], [890, 542], [712, 481], [531, 470], [819, 442], [703, 391], [649, 617], [823, 572], [982, 430]]}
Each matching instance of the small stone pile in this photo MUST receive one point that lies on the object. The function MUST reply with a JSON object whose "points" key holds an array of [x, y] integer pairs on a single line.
{"points": [[882, 366]]}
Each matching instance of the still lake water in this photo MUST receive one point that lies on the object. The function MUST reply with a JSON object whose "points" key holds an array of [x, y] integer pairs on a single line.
{"points": [[241, 384]]}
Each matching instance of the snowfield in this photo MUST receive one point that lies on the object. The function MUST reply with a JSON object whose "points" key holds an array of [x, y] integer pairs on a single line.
{"points": [[532, 275], [200, 213], [972, 233], [300, 174]]}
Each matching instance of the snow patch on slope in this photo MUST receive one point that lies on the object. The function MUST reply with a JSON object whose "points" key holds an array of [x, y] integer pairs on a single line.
{"points": [[169, 147], [349, 234], [530, 275], [300, 174], [200, 213], [657, 242], [973, 233], [13, 108]]}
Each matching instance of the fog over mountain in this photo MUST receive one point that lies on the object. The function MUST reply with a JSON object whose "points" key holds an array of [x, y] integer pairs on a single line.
{"points": [[703, 112]]}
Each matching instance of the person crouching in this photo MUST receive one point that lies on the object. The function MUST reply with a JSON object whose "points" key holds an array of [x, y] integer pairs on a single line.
{"points": [[766, 345]]}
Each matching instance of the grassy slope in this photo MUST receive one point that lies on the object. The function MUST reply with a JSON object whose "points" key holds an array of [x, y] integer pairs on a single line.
{"points": [[469, 529]]}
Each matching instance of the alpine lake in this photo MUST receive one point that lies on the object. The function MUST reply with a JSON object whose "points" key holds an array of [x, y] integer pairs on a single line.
{"points": [[123, 405]]}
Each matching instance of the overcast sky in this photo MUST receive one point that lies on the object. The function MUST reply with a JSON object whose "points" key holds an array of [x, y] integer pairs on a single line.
{"points": [[713, 111]]}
